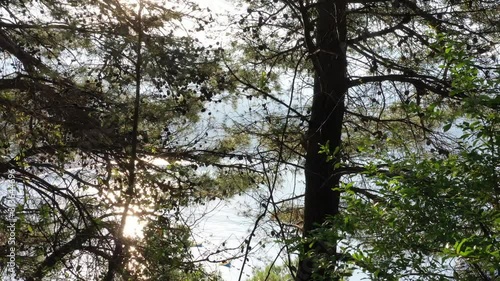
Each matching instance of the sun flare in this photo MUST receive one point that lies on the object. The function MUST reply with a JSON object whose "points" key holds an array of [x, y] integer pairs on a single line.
{"points": [[134, 227]]}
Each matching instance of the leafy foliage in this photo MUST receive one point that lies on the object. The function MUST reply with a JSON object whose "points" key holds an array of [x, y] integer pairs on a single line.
{"points": [[104, 117], [389, 109], [434, 218], [421, 90], [271, 273]]}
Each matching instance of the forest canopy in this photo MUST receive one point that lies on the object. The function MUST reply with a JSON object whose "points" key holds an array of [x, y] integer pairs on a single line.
{"points": [[364, 133]]}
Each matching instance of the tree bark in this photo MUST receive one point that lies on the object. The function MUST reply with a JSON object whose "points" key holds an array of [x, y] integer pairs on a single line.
{"points": [[325, 127]]}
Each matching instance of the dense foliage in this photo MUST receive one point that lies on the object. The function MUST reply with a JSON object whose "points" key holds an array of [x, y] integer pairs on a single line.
{"points": [[414, 86], [104, 118]]}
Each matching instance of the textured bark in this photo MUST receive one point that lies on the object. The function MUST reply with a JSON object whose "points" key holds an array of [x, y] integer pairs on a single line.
{"points": [[325, 125]]}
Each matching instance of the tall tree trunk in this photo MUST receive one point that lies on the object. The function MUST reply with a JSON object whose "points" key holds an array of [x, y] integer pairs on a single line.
{"points": [[325, 127]]}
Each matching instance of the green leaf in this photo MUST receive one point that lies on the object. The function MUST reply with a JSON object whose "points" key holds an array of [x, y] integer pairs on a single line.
{"points": [[459, 246]]}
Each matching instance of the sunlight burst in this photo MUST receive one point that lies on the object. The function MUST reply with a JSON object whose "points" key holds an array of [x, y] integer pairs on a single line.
{"points": [[134, 227]]}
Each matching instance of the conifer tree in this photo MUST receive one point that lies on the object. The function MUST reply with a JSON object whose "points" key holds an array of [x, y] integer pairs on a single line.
{"points": [[372, 84]]}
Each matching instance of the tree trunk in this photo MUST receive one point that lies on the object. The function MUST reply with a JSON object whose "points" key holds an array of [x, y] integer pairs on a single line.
{"points": [[325, 127]]}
